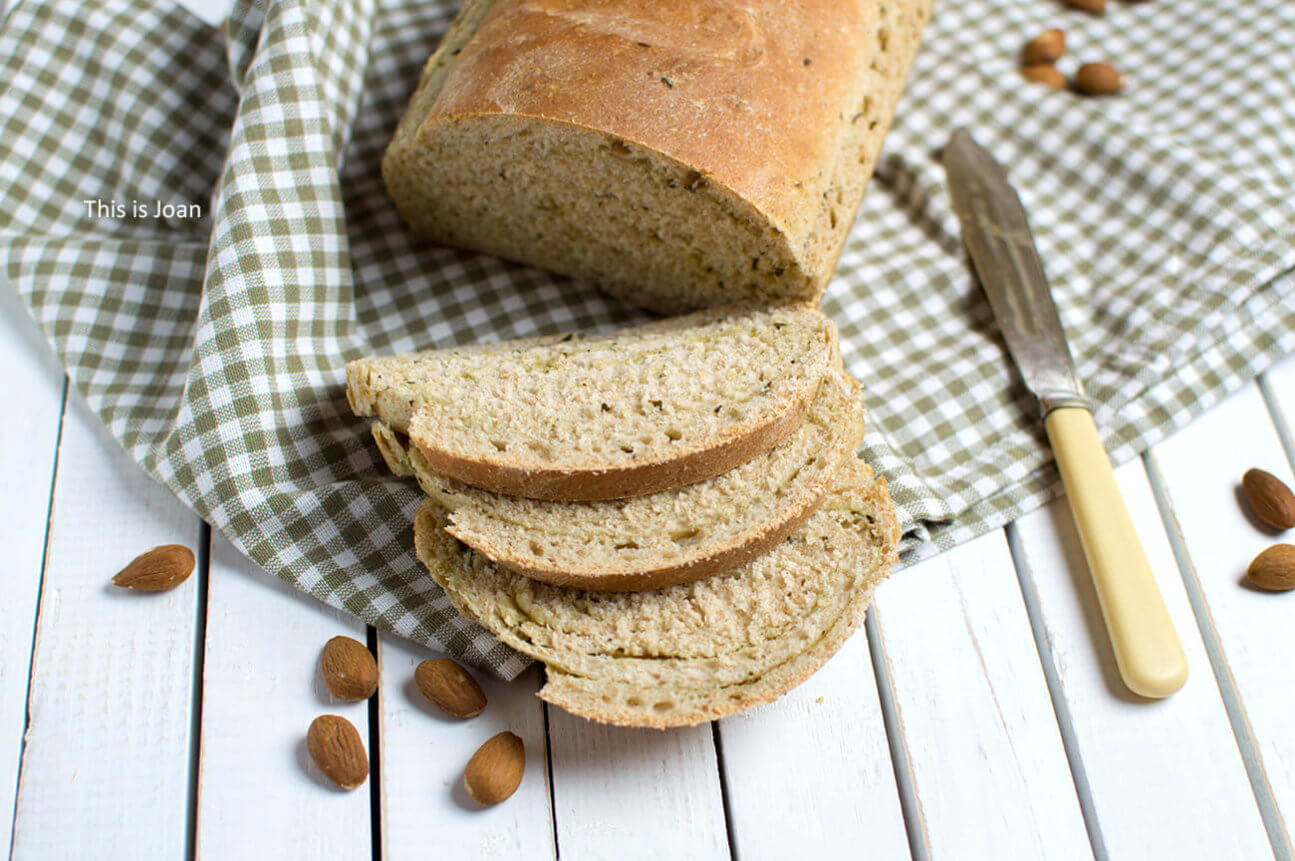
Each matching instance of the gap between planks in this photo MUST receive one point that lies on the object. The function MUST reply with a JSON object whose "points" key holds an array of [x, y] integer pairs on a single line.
{"points": [[35, 616], [201, 574], [919, 842], [1155, 776], [1241, 728], [1065, 722], [1196, 475]]}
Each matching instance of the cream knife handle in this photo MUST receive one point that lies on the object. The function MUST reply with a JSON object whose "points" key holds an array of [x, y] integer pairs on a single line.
{"points": [[1147, 650]]}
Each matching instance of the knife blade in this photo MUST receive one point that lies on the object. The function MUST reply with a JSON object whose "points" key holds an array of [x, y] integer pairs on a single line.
{"points": [[997, 235], [998, 238]]}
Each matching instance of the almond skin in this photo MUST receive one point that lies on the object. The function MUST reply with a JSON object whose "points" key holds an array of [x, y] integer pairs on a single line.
{"points": [[348, 668], [1269, 498], [1046, 74], [1098, 79], [157, 570], [1096, 7], [1047, 47], [495, 770], [335, 746], [449, 687], [1274, 569]]}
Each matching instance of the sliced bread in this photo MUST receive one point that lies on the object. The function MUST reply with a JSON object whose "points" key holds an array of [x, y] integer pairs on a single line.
{"points": [[687, 653], [650, 408], [674, 536]]}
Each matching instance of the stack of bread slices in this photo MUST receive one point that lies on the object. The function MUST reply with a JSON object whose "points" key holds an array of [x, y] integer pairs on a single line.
{"points": [[672, 517]]}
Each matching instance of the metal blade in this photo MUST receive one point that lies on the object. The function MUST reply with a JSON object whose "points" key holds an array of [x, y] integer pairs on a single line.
{"points": [[1001, 246]]}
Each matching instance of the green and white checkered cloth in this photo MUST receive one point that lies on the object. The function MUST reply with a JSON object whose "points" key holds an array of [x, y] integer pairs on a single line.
{"points": [[213, 347]]}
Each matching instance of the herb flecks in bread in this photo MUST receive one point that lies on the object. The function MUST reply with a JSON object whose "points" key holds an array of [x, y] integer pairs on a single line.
{"points": [[681, 155], [687, 653], [668, 537], [645, 409]]}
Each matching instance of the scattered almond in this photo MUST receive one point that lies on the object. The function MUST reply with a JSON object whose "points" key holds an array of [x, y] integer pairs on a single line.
{"points": [[159, 569], [1097, 7], [449, 687], [495, 770], [335, 746], [1274, 569], [1098, 79], [1047, 47], [349, 671], [1271, 500], [1046, 74]]}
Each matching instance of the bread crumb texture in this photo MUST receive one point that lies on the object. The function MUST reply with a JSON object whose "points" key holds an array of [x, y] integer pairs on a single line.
{"points": [[687, 653], [665, 403], [682, 155], [668, 537]]}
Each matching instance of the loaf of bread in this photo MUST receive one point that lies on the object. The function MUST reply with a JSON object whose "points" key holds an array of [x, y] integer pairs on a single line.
{"points": [[674, 536], [571, 417], [694, 652], [680, 154]]}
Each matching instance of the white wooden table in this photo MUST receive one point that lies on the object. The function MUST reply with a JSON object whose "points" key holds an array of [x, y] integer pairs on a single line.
{"points": [[979, 717]]}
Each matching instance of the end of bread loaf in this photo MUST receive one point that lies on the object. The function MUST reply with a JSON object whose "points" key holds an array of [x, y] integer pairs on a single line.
{"points": [[582, 202], [679, 156]]}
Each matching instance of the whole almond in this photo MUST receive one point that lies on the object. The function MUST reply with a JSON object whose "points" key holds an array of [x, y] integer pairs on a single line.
{"points": [[335, 746], [1271, 500], [1274, 569], [1047, 47], [495, 770], [449, 687], [348, 669], [1097, 7], [1046, 74], [161, 568], [1098, 79]]}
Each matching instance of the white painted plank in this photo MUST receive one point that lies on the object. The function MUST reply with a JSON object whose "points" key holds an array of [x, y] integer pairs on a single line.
{"points": [[260, 795], [423, 755], [1165, 777], [1201, 467], [28, 440], [1280, 383], [112, 677], [810, 775], [988, 764], [633, 794]]}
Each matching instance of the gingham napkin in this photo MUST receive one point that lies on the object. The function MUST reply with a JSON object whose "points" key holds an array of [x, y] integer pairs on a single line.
{"points": [[211, 339]]}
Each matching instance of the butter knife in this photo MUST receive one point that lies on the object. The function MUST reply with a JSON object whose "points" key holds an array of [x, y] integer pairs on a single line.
{"points": [[997, 235]]}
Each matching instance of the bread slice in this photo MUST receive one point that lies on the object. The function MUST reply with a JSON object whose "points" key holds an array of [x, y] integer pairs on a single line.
{"points": [[674, 536], [678, 154], [688, 653], [650, 408]]}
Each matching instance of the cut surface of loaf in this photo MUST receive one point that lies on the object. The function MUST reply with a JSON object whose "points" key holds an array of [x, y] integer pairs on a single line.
{"points": [[649, 408], [680, 154], [694, 652], [674, 536]]}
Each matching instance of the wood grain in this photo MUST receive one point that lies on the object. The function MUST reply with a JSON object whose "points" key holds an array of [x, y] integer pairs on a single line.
{"points": [[261, 796], [112, 673], [1165, 777], [989, 768], [810, 774], [30, 439], [424, 751], [1201, 468], [634, 794]]}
